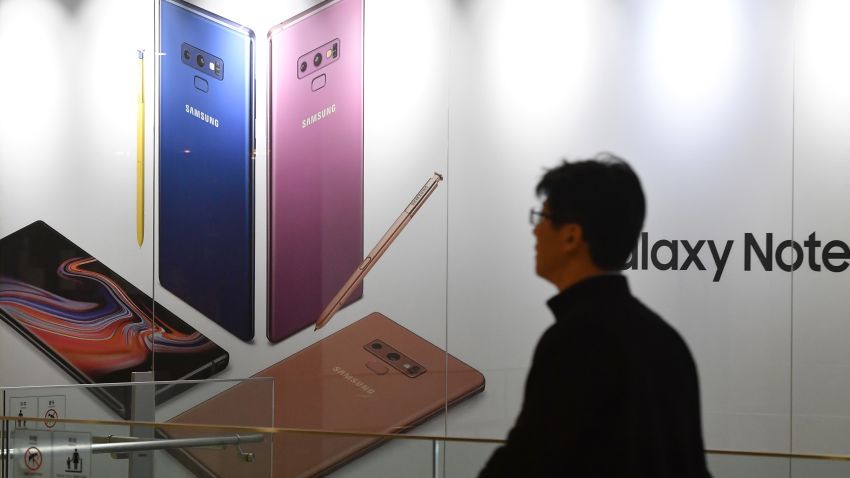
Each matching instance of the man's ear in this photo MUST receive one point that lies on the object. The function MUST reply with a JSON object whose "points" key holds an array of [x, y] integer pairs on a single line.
{"points": [[571, 236]]}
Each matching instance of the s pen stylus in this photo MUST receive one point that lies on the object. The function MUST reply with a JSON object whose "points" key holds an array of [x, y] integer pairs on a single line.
{"points": [[379, 249], [140, 153]]}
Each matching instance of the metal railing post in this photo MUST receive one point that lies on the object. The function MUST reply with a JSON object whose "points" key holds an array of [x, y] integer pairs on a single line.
{"points": [[142, 406], [439, 465]]}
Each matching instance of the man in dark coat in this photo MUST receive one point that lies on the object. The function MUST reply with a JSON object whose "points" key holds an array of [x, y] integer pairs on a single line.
{"points": [[613, 389]]}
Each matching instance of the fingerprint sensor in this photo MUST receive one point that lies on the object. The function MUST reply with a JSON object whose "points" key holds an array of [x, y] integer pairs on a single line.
{"points": [[201, 84], [377, 367], [319, 82]]}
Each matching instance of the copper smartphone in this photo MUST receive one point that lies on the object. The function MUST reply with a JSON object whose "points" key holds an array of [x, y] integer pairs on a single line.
{"points": [[373, 376]]}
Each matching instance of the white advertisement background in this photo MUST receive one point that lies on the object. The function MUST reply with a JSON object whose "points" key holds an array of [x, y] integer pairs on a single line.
{"points": [[711, 141], [699, 96]]}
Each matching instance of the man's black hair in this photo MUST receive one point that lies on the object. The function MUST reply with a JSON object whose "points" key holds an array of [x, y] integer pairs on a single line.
{"points": [[603, 195]]}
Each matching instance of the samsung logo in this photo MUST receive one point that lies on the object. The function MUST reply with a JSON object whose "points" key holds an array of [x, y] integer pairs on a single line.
{"points": [[354, 380], [318, 116], [202, 116]]}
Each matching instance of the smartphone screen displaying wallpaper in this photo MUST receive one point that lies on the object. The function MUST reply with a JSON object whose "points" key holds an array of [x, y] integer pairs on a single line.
{"points": [[89, 320]]}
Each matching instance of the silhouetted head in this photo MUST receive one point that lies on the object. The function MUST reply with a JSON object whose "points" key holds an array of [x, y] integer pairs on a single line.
{"points": [[592, 207]]}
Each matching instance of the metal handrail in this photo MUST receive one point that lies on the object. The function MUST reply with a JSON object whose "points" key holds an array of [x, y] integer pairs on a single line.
{"points": [[258, 431], [772, 454], [129, 444], [253, 429]]}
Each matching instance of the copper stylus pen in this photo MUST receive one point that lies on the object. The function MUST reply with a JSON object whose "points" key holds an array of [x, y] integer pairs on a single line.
{"points": [[379, 249]]}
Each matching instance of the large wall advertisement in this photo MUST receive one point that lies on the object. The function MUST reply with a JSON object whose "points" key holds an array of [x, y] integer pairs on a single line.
{"points": [[732, 113]]}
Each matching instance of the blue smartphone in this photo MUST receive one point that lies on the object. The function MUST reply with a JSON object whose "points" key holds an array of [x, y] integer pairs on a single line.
{"points": [[206, 171]]}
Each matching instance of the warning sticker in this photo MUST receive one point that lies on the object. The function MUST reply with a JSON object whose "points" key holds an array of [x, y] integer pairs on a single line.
{"points": [[71, 455], [21, 408], [31, 447], [50, 418], [50, 409], [33, 459], [40, 413]]}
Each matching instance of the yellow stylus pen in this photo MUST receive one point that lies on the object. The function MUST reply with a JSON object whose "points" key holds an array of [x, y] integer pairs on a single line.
{"points": [[140, 153]]}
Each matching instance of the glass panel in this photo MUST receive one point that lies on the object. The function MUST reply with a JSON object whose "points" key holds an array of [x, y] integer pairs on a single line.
{"points": [[467, 458], [76, 248], [214, 215], [213, 451], [732, 466], [54, 418], [92, 450], [388, 456], [821, 376], [704, 118], [68, 449], [805, 468], [337, 164], [218, 407], [738, 466]]}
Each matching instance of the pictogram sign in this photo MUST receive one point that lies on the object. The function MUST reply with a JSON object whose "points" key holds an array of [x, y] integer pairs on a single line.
{"points": [[33, 459]]}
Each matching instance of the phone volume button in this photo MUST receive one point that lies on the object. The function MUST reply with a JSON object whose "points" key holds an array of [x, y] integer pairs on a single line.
{"points": [[365, 263]]}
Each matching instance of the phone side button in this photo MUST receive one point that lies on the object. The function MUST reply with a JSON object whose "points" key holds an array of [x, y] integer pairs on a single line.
{"points": [[365, 263], [377, 367]]}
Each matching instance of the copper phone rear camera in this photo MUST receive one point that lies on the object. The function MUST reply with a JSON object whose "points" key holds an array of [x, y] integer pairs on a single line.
{"points": [[395, 358]]}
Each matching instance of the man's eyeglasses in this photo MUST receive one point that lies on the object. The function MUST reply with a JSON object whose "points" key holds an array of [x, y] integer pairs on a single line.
{"points": [[534, 216]]}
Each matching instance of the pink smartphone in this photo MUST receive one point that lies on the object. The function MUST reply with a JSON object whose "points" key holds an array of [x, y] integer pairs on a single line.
{"points": [[373, 376], [315, 162]]}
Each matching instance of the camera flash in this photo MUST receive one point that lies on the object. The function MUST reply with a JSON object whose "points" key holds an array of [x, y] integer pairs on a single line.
{"points": [[212, 66], [407, 365], [328, 54]]}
